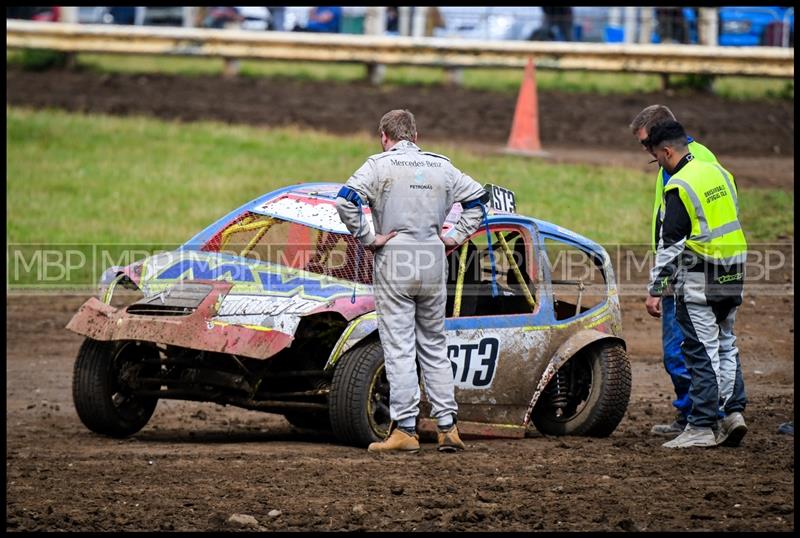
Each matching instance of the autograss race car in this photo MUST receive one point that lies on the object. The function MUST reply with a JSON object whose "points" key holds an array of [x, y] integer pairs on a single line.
{"points": [[269, 309]]}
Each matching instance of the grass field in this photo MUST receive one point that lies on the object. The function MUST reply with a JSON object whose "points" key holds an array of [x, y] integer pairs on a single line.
{"points": [[98, 179], [494, 79]]}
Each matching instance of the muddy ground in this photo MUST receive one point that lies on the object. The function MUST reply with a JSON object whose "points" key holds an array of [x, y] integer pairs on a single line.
{"points": [[194, 465]]}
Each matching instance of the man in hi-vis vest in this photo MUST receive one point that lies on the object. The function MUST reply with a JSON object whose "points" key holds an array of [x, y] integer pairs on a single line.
{"points": [[702, 252], [671, 334]]}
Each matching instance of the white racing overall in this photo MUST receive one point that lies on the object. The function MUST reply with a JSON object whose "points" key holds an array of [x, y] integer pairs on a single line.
{"points": [[411, 192]]}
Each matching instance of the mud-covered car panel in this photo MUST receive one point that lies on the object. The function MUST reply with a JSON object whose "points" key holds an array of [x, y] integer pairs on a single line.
{"points": [[196, 330]]}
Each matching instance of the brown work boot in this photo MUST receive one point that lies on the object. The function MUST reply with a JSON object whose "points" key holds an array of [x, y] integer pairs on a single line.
{"points": [[398, 441], [449, 441]]}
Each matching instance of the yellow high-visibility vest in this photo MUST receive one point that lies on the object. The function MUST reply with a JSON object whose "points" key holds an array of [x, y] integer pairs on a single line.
{"points": [[709, 195], [698, 151]]}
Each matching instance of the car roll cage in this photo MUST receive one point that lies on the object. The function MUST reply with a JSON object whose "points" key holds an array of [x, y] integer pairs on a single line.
{"points": [[462, 267]]}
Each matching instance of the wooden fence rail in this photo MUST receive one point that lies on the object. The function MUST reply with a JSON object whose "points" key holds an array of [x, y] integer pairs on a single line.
{"points": [[374, 50]]}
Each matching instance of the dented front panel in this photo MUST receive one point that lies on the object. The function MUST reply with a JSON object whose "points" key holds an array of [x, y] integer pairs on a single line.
{"points": [[250, 300], [196, 330]]}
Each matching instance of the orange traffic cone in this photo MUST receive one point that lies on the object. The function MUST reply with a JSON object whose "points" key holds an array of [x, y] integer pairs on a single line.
{"points": [[524, 138]]}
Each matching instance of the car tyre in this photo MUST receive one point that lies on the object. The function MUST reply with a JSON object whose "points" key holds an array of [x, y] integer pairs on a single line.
{"points": [[598, 406], [359, 397], [104, 400]]}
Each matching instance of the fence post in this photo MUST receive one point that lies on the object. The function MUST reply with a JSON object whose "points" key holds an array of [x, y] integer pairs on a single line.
{"points": [[785, 28], [69, 15], [189, 16], [646, 29], [614, 16], [231, 67], [404, 20], [630, 24], [708, 26], [375, 24], [454, 76], [418, 21]]}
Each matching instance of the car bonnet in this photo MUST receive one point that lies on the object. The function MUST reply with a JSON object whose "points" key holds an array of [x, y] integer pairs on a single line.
{"points": [[263, 295]]}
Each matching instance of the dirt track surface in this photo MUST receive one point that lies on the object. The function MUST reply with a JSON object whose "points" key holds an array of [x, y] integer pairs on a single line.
{"points": [[755, 140], [194, 465]]}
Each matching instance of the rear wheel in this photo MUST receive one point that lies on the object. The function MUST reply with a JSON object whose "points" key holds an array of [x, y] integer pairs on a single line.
{"points": [[104, 380], [359, 397], [589, 394]]}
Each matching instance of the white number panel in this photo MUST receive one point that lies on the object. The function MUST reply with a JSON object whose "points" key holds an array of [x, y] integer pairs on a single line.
{"points": [[474, 361]]}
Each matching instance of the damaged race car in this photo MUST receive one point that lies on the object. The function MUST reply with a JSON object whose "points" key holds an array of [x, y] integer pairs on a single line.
{"points": [[271, 308]]}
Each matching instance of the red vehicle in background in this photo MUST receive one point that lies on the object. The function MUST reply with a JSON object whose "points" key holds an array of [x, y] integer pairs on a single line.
{"points": [[46, 14]]}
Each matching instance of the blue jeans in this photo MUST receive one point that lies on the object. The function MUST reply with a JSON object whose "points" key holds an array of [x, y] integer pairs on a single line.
{"points": [[674, 360]]}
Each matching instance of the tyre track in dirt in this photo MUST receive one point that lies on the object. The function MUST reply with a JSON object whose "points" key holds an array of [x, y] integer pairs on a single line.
{"points": [[196, 464]]}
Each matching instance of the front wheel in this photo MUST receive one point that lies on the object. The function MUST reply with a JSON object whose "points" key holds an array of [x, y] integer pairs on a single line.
{"points": [[103, 385], [359, 397], [589, 394]]}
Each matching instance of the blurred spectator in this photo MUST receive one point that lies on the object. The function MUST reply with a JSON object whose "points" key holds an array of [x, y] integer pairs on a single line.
{"points": [[323, 19], [672, 25], [277, 17], [392, 21], [557, 25], [433, 20], [222, 17], [199, 16], [122, 14]]}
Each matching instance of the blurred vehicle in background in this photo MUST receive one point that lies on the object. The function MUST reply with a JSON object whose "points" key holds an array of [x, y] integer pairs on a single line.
{"points": [[743, 26], [738, 25], [93, 14], [162, 16], [254, 18], [247, 17], [493, 23], [141, 15], [520, 23], [49, 14]]}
